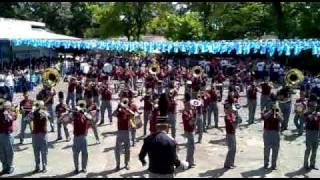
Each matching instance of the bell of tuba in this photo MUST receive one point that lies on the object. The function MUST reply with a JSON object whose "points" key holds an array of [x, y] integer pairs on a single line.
{"points": [[50, 77], [293, 78], [197, 71], [154, 69]]}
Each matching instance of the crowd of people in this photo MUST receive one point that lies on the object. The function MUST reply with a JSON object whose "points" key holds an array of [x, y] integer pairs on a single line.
{"points": [[157, 83]]}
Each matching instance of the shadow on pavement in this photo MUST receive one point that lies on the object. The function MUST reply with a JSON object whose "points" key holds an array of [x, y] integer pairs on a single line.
{"points": [[219, 142], [103, 174], [300, 172], [291, 137], [68, 146], [108, 149], [140, 174], [213, 173], [258, 173], [17, 148], [106, 134]]}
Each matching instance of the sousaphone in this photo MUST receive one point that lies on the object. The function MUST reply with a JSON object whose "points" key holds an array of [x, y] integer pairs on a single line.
{"points": [[50, 77]]}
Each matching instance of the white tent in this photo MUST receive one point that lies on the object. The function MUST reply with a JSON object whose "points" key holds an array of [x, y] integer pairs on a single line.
{"points": [[11, 29]]}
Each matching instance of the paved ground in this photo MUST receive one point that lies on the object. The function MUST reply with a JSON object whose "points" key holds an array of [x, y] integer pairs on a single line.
{"points": [[209, 156]]}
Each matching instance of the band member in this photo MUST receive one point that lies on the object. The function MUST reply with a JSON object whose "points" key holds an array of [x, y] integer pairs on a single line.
{"points": [[93, 110], [206, 100], [96, 95], [271, 136], [213, 107], [147, 99], [25, 109], [252, 102], [312, 122], [80, 120], [7, 116], [39, 136], [265, 94], [47, 95], [162, 152], [196, 85], [133, 125], [79, 89], [172, 114], [87, 90], [300, 107], [123, 114], [60, 109], [231, 125], [189, 129], [154, 115], [219, 78], [199, 118], [106, 96], [71, 92], [150, 81], [284, 98]]}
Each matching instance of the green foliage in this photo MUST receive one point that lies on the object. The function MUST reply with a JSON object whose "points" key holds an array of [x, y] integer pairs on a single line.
{"points": [[177, 21]]}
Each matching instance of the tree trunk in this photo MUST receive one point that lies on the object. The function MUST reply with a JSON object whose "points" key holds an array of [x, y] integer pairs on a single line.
{"points": [[282, 33]]}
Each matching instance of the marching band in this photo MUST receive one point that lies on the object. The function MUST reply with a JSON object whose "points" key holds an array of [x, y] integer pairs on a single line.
{"points": [[90, 95]]}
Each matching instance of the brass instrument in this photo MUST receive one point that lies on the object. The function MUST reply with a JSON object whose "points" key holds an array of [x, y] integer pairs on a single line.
{"points": [[50, 77], [293, 78], [154, 69], [197, 71]]}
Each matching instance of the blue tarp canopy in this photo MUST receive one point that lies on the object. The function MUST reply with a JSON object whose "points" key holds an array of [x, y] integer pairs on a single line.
{"points": [[286, 47]]}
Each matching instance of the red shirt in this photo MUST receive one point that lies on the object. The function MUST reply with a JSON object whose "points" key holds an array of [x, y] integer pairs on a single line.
{"points": [[266, 89], [147, 103], [102, 77], [39, 124], [213, 96], [150, 82], [80, 124], [123, 120], [72, 87], [312, 123], [186, 118], [106, 94], [252, 93], [230, 119], [153, 121], [172, 105], [26, 105], [6, 126], [60, 109], [271, 123], [196, 84]]}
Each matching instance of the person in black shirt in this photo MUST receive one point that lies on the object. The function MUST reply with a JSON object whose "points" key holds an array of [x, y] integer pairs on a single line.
{"points": [[161, 150]]}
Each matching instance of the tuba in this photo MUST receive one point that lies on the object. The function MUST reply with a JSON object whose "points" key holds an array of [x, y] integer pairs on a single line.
{"points": [[293, 78], [50, 77], [154, 69], [197, 71]]}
